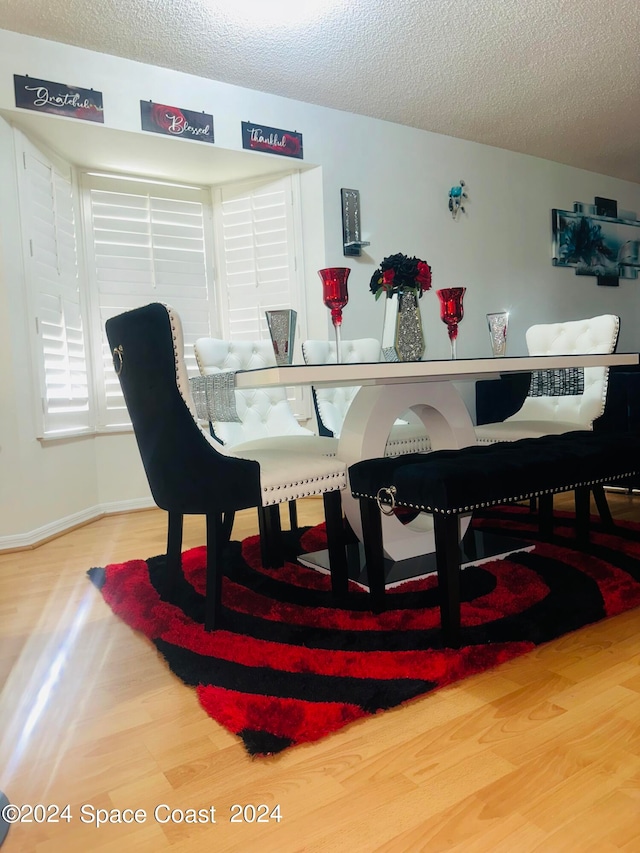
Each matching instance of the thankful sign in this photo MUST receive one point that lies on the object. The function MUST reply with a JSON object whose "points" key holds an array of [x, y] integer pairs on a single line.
{"points": [[44, 96], [258, 137]]}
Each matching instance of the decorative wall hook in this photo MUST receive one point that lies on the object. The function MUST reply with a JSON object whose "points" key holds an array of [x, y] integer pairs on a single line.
{"points": [[456, 196]]}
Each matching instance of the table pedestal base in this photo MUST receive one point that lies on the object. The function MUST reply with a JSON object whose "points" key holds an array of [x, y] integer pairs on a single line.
{"points": [[476, 547]]}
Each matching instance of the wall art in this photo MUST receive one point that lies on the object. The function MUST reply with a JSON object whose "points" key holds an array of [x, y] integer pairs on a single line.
{"points": [[176, 121], [273, 140], [45, 96], [597, 240]]}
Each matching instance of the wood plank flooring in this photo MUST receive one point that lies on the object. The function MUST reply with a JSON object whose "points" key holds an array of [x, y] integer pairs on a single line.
{"points": [[542, 754]]}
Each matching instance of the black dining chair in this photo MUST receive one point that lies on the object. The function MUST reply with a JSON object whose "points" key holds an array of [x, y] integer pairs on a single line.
{"points": [[187, 471]]}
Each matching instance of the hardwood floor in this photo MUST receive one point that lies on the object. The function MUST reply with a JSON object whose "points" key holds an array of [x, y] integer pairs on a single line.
{"points": [[542, 754]]}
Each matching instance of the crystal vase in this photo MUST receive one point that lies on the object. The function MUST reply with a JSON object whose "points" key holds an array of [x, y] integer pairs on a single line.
{"points": [[403, 321]]}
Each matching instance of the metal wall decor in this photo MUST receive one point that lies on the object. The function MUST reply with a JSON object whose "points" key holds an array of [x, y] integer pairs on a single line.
{"points": [[597, 240], [456, 197], [351, 235], [44, 96], [176, 121], [273, 140]]}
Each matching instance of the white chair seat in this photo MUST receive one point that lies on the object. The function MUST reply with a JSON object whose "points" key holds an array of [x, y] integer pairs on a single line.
{"points": [[286, 476], [319, 444], [514, 430], [407, 438]]}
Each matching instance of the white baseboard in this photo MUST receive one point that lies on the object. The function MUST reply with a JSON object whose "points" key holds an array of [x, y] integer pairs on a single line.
{"points": [[55, 528]]}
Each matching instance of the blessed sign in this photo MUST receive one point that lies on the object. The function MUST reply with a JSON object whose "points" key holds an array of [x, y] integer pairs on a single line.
{"points": [[175, 121], [57, 98], [257, 137]]}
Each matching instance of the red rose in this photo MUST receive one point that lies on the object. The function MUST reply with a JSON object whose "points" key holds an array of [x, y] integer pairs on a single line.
{"points": [[387, 277], [424, 276], [168, 118]]}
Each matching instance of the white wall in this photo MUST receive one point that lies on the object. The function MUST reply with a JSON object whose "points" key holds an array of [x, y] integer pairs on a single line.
{"points": [[500, 250]]}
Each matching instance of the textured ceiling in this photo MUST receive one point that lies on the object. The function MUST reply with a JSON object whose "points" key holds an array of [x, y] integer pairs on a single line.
{"points": [[551, 78]]}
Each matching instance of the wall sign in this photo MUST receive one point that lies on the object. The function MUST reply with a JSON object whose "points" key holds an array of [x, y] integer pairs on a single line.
{"points": [[43, 96], [174, 121], [257, 137]]}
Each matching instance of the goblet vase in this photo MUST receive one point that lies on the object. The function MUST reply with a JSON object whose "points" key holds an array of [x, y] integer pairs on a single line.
{"points": [[335, 296], [452, 312]]}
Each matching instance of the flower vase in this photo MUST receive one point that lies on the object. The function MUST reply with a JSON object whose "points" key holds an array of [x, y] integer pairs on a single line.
{"points": [[402, 337]]}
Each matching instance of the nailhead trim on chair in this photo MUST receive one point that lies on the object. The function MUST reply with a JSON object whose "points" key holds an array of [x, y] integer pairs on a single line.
{"points": [[332, 482]]}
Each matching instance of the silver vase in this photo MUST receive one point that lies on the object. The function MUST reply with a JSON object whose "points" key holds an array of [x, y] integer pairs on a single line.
{"points": [[409, 342], [282, 328]]}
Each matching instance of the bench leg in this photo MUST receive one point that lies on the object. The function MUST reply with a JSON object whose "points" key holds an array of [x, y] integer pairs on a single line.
{"points": [[545, 517], [583, 514], [373, 550], [336, 544], [447, 536]]}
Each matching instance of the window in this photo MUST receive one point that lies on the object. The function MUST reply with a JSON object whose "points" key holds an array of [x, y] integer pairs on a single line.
{"points": [[146, 242]]}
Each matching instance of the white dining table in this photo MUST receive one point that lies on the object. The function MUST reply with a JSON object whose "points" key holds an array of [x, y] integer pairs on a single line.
{"points": [[386, 391]]}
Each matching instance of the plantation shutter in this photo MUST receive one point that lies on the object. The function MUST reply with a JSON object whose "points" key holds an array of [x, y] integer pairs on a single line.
{"points": [[49, 231], [146, 243], [257, 269]]}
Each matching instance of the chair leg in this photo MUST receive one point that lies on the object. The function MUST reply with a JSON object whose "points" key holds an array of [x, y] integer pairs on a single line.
{"points": [[336, 543], [582, 497], [174, 552], [447, 536], [293, 515], [373, 550], [227, 525], [270, 536], [600, 498], [215, 542]]}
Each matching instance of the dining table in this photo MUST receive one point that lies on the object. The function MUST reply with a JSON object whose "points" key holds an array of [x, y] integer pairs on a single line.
{"points": [[386, 390]]}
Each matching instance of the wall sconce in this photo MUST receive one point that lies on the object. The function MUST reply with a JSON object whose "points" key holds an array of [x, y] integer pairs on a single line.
{"points": [[351, 239]]}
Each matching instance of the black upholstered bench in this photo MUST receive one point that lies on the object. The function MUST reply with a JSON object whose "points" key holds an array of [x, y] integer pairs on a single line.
{"points": [[450, 483]]}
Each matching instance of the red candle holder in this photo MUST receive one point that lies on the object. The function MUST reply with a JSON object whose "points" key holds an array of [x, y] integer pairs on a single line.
{"points": [[452, 311], [335, 296]]}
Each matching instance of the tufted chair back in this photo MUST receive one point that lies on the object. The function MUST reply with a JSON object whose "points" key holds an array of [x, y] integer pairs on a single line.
{"points": [[594, 335], [561, 412], [264, 412], [332, 403]]}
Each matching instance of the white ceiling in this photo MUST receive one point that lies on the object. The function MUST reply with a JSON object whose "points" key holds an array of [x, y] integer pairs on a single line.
{"points": [[558, 79]]}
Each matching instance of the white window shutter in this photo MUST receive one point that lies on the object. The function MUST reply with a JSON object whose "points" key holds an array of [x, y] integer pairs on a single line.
{"points": [[49, 230], [257, 270], [146, 243]]}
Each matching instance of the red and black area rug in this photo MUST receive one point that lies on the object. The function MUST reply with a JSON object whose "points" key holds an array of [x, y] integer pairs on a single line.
{"points": [[289, 666]]}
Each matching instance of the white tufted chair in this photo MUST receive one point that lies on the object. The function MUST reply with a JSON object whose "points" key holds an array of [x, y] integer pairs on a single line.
{"points": [[555, 414], [266, 419], [332, 404]]}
